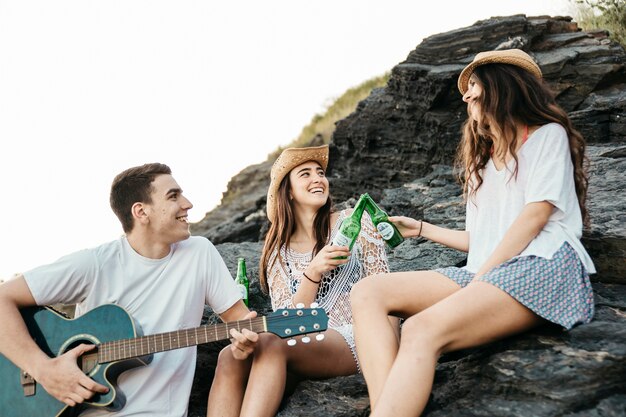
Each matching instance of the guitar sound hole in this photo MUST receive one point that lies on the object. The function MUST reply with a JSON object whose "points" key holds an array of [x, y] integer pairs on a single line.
{"points": [[88, 361]]}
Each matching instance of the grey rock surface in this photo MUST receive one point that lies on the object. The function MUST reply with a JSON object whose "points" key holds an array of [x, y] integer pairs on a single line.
{"points": [[399, 146]]}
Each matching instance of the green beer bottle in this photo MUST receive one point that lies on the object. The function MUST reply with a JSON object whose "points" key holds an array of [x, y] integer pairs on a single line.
{"points": [[350, 227], [387, 230], [242, 280]]}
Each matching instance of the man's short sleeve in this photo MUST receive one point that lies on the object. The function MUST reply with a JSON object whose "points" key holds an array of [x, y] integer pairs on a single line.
{"points": [[222, 293], [65, 281]]}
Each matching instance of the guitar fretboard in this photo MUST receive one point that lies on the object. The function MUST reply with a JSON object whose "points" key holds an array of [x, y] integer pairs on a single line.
{"points": [[145, 345]]}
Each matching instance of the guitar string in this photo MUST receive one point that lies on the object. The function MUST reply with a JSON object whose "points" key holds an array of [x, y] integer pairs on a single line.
{"points": [[229, 325], [215, 329], [139, 343]]}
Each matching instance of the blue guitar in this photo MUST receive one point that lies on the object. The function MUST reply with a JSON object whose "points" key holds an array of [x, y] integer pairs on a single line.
{"points": [[120, 347]]}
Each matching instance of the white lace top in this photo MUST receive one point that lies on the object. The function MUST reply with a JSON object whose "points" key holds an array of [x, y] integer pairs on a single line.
{"points": [[368, 258]]}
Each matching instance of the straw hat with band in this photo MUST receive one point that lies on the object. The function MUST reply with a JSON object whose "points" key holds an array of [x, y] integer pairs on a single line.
{"points": [[515, 57], [288, 160]]}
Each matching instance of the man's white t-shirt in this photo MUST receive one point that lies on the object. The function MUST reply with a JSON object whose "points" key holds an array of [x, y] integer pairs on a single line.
{"points": [[545, 173], [160, 294]]}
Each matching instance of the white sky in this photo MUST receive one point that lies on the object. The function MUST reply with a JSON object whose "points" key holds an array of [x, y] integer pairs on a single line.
{"points": [[89, 88]]}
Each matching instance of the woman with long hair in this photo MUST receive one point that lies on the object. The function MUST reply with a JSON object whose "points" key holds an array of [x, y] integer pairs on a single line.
{"points": [[524, 179], [299, 266]]}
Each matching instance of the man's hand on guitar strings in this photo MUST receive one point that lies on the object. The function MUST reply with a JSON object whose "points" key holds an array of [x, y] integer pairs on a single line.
{"points": [[62, 378]]}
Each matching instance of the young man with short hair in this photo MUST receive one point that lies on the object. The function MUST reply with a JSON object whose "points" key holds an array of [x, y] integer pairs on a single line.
{"points": [[157, 272]]}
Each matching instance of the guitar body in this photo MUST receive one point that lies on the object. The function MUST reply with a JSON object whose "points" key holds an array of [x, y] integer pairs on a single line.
{"points": [[55, 335]]}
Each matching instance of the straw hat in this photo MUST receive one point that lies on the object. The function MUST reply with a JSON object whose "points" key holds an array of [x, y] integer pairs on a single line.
{"points": [[515, 57], [286, 161]]}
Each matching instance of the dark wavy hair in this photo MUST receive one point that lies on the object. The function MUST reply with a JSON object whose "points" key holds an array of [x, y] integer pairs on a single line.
{"points": [[284, 226], [131, 186], [511, 95]]}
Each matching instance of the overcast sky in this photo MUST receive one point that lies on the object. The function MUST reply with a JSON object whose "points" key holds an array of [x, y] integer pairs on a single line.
{"points": [[89, 88]]}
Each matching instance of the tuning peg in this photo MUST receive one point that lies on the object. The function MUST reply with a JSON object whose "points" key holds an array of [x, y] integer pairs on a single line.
{"points": [[291, 342], [314, 305], [306, 339], [319, 337], [300, 305]]}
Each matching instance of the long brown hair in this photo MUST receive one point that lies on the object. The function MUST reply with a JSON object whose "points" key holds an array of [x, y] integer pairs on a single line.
{"points": [[283, 227], [511, 95]]}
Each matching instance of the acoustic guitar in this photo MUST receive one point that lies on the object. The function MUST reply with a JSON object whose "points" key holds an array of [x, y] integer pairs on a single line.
{"points": [[120, 346]]}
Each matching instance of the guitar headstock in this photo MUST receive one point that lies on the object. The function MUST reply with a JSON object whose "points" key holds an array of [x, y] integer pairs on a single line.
{"points": [[290, 322]]}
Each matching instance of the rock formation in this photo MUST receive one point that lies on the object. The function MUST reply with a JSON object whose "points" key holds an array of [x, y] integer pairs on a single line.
{"points": [[398, 146]]}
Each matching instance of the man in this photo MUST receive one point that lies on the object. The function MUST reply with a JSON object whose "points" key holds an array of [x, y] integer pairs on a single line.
{"points": [[156, 272]]}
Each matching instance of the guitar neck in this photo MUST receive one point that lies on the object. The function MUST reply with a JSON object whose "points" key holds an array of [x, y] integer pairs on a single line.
{"points": [[141, 346]]}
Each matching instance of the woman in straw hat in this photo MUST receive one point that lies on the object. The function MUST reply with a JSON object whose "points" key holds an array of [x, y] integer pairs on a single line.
{"points": [[299, 267], [525, 184]]}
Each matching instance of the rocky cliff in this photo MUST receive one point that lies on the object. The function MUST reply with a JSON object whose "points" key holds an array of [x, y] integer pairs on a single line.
{"points": [[398, 146]]}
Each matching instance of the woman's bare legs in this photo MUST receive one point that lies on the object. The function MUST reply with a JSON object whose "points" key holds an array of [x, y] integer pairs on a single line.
{"points": [[229, 385], [328, 358], [260, 391], [374, 298], [479, 313]]}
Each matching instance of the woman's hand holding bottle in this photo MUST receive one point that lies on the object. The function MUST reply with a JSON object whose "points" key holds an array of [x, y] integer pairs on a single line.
{"points": [[326, 260], [407, 226]]}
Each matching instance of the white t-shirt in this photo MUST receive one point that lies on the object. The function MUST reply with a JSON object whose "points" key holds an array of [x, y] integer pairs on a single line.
{"points": [[545, 173], [160, 294]]}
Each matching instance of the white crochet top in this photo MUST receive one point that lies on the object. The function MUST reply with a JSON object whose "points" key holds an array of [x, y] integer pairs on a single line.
{"points": [[368, 258]]}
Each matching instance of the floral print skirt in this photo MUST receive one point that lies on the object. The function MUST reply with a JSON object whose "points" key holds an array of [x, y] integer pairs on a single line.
{"points": [[556, 289]]}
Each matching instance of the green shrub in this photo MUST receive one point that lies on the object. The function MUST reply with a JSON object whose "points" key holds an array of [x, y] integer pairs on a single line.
{"points": [[323, 125], [603, 14]]}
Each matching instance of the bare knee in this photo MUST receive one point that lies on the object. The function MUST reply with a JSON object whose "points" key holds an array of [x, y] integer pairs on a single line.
{"points": [[422, 334], [270, 345], [227, 364]]}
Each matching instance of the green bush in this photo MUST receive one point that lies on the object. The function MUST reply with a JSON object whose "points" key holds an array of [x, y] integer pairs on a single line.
{"points": [[323, 125], [603, 14]]}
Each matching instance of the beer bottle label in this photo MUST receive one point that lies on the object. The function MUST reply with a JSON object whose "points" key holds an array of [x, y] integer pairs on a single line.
{"points": [[243, 291], [385, 230], [341, 240]]}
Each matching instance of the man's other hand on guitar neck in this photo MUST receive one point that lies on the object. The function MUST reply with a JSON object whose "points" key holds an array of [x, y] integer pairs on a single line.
{"points": [[244, 342]]}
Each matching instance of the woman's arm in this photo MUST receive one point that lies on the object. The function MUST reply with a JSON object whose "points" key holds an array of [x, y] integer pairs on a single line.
{"points": [[455, 239], [524, 229], [310, 278]]}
